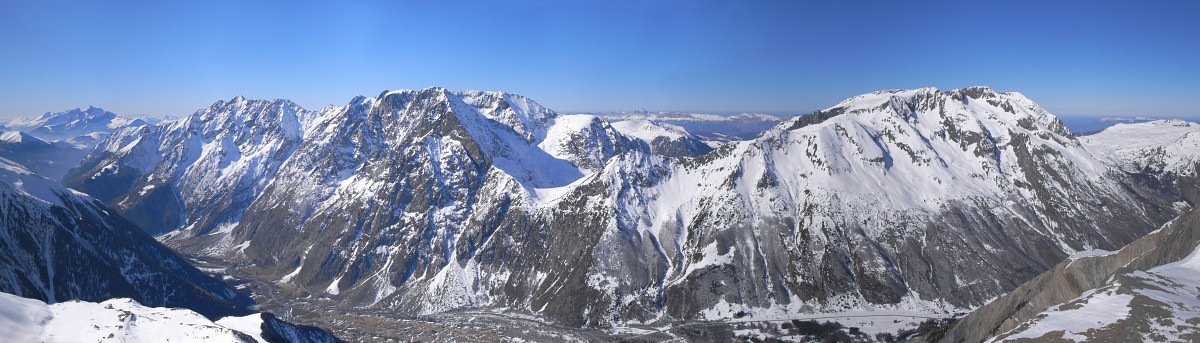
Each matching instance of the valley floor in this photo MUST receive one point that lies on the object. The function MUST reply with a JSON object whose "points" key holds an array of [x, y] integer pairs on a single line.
{"points": [[355, 324]]}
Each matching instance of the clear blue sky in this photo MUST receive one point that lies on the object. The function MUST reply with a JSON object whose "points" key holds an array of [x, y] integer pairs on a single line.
{"points": [[174, 57]]}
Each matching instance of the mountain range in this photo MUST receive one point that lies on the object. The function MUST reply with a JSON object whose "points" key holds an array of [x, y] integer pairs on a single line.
{"points": [[924, 202], [712, 127], [910, 203], [81, 127], [64, 251]]}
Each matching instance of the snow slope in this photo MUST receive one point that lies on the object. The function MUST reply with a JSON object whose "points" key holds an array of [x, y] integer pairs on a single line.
{"points": [[125, 320], [1161, 146], [664, 139], [649, 131]]}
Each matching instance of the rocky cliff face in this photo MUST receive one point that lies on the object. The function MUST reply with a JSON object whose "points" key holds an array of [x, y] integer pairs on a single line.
{"points": [[1147, 291], [202, 170], [427, 201], [59, 244]]}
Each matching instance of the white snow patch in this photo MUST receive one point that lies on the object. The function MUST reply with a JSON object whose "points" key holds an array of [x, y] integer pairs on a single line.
{"points": [[1099, 309], [1091, 253], [710, 257], [119, 320]]}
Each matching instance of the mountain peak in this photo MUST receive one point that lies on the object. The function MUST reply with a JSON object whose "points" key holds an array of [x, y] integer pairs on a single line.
{"points": [[18, 137], [70, 123], [925, 123]]}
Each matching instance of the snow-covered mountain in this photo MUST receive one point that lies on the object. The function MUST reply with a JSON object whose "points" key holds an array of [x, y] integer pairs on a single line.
{"points": [[59, 244], [83, 127], [125, 320], [914, 201], [1145, 291], [206, 167], [211, 166], [664, 139], [54, 142], [47, 159], [1166, 148]]}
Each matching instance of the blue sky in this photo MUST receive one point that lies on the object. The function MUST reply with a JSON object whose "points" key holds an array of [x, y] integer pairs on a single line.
{"points": [[174, 57]]}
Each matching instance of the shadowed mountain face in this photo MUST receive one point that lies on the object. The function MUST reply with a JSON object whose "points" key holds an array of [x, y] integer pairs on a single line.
{"points": [[427, 201], [59, 245], [47, 159]]}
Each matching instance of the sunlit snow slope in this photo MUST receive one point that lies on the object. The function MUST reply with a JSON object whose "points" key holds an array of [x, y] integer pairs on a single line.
{"points": [[125, 320]]}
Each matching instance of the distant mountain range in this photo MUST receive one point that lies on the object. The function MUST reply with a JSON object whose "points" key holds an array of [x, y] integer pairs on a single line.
{"points": [[82, 127], [52, 143], [49, 159], [1087, 125], [712, 127]]}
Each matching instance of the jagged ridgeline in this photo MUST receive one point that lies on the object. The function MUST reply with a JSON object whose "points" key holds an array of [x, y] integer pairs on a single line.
{"points": [[426, 201]]}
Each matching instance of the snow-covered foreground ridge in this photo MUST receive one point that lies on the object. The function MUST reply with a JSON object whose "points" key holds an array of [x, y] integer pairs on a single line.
{"points": [[124, 320], [424, 201]]}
